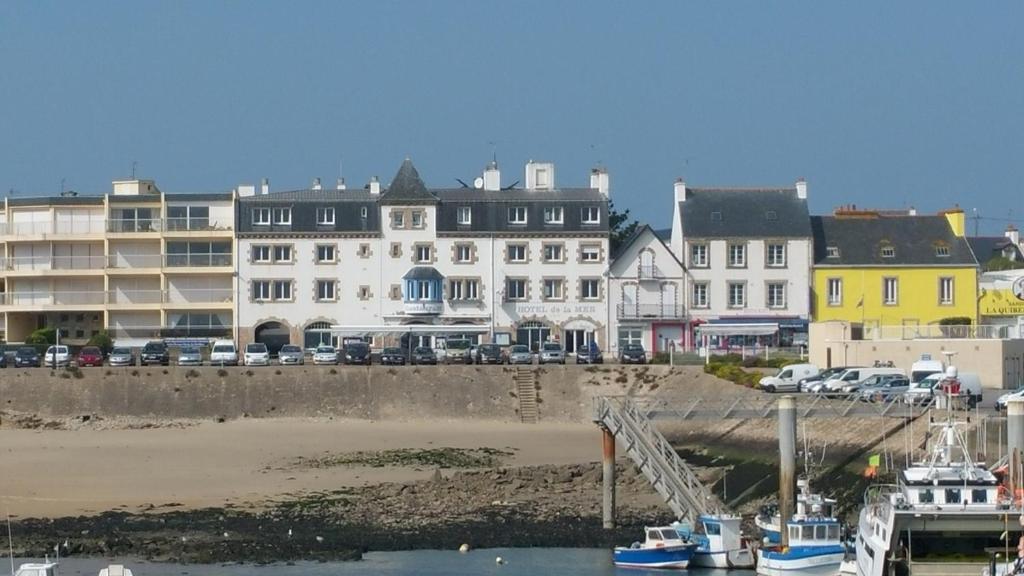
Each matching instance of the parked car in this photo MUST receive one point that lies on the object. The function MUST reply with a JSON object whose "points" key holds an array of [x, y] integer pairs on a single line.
{"points": [[854, 376], [325, 354], [632, 354], [490, 354], [589, 354], [291, 355], [121, 356], [3, 359], [458, 351], [888, 389], [392, 357], [1004, 398], [870, 382], [807, 384], [223, 353], [27, 357], [357, 353], [90, 356], [970, 388], [58, 354], [190, 356], [424, 355], [788, 379], [256, 354], [551, 353], [520, 354], [155, 352]]}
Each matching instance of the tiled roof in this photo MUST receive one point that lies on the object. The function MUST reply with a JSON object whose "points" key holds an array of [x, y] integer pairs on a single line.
{"points": [[986, 248], [407, 187], [913, 240], [744, 213]]}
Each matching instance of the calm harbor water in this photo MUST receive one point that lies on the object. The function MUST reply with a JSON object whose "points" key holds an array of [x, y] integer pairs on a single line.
{"points": [[518, 562]]}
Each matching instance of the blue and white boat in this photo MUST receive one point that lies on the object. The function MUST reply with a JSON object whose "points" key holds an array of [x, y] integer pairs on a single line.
{"points": [[663, 547], [720, 543], [768, 520], [815, 546]]}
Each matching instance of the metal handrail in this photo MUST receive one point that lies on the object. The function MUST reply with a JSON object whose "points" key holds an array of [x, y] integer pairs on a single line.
{"points": [[198, 260], [652, 311], [186, 224], [133, 225]]}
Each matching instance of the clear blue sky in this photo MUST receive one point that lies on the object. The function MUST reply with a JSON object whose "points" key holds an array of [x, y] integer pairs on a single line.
{"points": [[883, 104]]}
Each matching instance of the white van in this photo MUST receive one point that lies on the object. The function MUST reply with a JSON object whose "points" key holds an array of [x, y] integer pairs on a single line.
{"points": [[223, 353], [923, 391], [788, 378], [856, 376], [925, 367]]}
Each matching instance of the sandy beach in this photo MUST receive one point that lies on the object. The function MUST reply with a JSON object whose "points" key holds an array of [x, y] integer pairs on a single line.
{"points": [[91, 469]]}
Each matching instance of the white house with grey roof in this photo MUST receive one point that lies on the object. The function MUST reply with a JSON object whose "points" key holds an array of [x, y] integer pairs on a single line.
{"points": [[486, 262], [747, 254]]}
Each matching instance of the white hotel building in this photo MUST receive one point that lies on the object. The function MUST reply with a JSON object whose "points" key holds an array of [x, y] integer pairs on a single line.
{"points": [[139, 263], [495, 264]]}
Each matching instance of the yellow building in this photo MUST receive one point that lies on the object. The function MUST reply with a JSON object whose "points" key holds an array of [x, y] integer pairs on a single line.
{"points": [[893, 272]]}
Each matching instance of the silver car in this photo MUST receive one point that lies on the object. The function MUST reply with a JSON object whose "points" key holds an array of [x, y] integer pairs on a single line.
{"points": [[291, 355], [520, 354], [325, 355], [190, 357], [121, 356], [551, 353]]}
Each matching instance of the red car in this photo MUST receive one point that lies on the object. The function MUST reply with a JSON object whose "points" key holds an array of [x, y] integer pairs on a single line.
{"points": [[90, 356]]}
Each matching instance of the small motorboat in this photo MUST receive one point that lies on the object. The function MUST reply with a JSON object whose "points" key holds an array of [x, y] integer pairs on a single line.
{"points": [[37, 569], [815, 547], [720, 543], [115, 570], [663, 547]]}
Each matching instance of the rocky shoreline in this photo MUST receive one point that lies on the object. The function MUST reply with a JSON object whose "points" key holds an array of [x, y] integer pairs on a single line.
{"points": [[502, 507]]}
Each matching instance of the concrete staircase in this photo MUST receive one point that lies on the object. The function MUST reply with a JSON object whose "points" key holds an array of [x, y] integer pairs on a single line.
{"points": [[668, 474], [526, 390]]}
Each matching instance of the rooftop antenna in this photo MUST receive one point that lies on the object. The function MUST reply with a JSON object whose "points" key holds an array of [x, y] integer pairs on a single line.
{"points": [[62, 186], [10, 542], [341, 171], [135, 164], [494, 151], [976, 217]]}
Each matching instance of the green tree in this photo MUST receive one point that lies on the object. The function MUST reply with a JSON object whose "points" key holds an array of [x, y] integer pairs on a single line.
{"points": [[42, 338], [621, 226], [998, 263], [103, 341]]}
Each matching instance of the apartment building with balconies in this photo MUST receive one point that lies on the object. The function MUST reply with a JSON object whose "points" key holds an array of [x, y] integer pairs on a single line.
{"points": [[407, 265], [137, 262]]}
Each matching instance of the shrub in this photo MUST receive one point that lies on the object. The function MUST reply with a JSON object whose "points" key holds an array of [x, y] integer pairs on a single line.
{"points": [[42, 338], [733, 373], [102, 340], [955, 321]]}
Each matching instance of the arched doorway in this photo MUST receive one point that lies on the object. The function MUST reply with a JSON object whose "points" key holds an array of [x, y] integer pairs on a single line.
{"points": [[318, 334], [532, 333], [274, 335]]}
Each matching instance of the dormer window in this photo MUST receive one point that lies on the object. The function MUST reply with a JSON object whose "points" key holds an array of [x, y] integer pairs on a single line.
{"points": [[282, 216], [325, 216], [517, 215], [553, 215], [592, 215], [888, 252], [832, 251], [464, 216], [363, 212], [942, 251], [261, 216]]}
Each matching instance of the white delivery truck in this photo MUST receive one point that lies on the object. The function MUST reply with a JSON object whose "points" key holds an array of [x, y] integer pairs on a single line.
{"points": [[788, 379]]}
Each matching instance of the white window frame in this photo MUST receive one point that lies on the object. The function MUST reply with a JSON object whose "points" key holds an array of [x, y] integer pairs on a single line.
{"points": [[947, 291], [834, 295], [419, 219], [517, 215], [286, 289], [734, 262], [699, 297], [942, 251], [773, 260], [334, 254], [770, 302], [554, 215], [517, 247], [261, 291], [590, 289], [265, 256], [888, 251], [326, 290], [281, 216], [426, 249], [890, 291], [322, 213], [284, 248], [464, 215], [364, 212], [735, 303], [698, 255], [629, 335], [261, 216], [556, 250], [515, 295], [591, 215], [587, 251], [832, 251], [554, 289], [398, 219], [464, 289], [463, 253]]}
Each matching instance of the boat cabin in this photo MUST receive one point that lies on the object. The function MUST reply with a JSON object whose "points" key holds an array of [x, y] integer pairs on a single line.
{"points": [[662, 536], [43, 569], [948, 487], [818, 532]]}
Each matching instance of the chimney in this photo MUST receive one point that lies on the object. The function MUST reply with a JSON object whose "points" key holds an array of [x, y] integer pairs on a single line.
{"points": [[374, 185], [1012, 234], [246, 190], [599, 180], [492, 177], [341, 183], [801, 189], [265, 186], [540, 175], [316, 184], [679, 190], [912, 211]]}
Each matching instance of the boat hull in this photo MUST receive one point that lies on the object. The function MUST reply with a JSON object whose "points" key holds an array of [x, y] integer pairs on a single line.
{"points": [[805, 561], [675, 557], [741, 558]]}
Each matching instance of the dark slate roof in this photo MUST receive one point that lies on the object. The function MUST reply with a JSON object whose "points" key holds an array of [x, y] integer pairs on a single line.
{"points": [[423, 273], [56, 201], [664, 234], [348, 212], [986, 248], [914, 238], [198, 197], [489, 210], [407, 187], [744, 213]]}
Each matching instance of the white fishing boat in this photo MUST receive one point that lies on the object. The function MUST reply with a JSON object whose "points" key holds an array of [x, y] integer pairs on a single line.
{"points": [[37, 569], [115, 570], [663, 547], [768, 520], [720, 543], [815, 546]]}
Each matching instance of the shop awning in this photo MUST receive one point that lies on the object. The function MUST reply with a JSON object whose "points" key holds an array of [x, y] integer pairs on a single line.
{"points": [[392, 329], [738, 329]]}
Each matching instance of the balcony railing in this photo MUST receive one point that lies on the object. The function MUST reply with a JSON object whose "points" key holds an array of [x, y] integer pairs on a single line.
{"points": [[135, 297], [119, 297], [55, 298], [54, 262], [125, 261], [934, 331], [52, 227], [180, 331], [650, 311], [649, 272], [200, 296], [195, 225], [200, 260], [133, 225]]}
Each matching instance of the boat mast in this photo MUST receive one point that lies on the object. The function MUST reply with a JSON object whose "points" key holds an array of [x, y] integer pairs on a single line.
{"points": [[10, 542]]}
